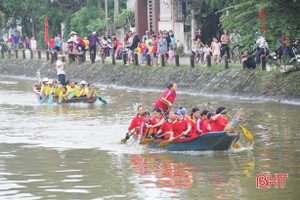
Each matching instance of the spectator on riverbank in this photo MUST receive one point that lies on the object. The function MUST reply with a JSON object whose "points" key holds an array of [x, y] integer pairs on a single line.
{"points": [[26, 43], [57, 43], [200, 36], [248, 60], [263, 48], [216, 50], [225, 39], [16, 39], [52, 43], [33, 45], [81, 44], [93, 43], [134, 45]]}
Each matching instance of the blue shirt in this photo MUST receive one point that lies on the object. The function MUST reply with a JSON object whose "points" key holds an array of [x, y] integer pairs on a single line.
{"points": [[57, 41], [16, 39]]}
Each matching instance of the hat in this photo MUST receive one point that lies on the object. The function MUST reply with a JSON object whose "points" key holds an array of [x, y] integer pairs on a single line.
{"points": [[180, 112], [224, 112], [94, 33], [60, 56], [45, 79], [83, 83], [69, 40], [50, 81], [73, 33]]}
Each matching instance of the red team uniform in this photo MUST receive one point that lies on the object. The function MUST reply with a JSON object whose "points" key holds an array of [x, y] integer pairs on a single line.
{"points": [[219, 124], [180, 126], [166, 127], [136, 122], [167, 95]]}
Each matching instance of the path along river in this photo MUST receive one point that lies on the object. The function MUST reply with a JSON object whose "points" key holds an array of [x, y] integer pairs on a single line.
{"points": [[73, 152]]}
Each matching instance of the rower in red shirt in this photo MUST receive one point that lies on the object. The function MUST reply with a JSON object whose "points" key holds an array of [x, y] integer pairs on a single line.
{"points": [[145, 125], [193, 120], [157, 120], [137, 120], [167, 126], [206, 128], [167, 99], [181, 125], [219, 121], [200, 121]]}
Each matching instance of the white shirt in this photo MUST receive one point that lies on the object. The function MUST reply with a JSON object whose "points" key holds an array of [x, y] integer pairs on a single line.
{"points": [[59, 70], [33, 44], [261, 42]]}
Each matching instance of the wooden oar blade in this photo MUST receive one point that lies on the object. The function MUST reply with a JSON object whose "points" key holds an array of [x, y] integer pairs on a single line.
{"points": [[146, 141], [123, 141], [236, 146], [164, 144], [247, 133]]}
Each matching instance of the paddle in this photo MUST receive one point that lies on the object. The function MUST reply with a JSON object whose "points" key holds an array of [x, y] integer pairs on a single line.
{"points": [[72, 94], [166, 143], [245, 131], [52, 95], [123, 141], [236, 146], [41, 100], [147, 141], [101, 99]]}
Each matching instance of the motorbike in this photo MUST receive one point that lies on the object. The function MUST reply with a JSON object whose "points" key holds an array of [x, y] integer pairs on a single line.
{"points": [[106, 49]]}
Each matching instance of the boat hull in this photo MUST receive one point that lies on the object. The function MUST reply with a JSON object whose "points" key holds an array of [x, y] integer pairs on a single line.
{"points": [[214, 141], [37, 89]]}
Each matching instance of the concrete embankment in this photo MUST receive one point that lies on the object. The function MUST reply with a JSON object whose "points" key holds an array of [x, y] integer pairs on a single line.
{"points": [[232, 82]]}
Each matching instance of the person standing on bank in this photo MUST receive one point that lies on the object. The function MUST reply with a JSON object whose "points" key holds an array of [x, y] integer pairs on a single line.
{"points": [[60, 66], [225, 39], [93, 43]]}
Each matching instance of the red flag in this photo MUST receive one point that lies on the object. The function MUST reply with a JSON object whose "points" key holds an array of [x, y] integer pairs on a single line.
{"points": [[46, 31]]}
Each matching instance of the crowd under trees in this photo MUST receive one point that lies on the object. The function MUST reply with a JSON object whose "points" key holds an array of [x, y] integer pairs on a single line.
{"points": [[85, 16]]}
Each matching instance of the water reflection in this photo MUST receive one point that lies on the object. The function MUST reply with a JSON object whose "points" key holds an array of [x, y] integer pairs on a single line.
{"points": [[78, 155]]}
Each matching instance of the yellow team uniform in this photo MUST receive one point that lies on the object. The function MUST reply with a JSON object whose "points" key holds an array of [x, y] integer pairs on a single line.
{"points": [[87, 91], [70, 90], [48, 89], [58, 90], [61, 94], [43, 88]]}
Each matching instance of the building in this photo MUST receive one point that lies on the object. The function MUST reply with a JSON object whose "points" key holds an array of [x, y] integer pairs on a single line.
{"points": [[155, 15]]}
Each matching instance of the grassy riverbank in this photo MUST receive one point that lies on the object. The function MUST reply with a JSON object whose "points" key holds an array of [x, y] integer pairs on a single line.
{"points": [[199, 80]]}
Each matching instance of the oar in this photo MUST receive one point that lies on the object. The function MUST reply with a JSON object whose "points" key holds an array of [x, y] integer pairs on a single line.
{"points": [[123, 141], [101, 99], [52, 95], [72, 94], [147, 141], [166, 143], [245, 131], [41, 100]]}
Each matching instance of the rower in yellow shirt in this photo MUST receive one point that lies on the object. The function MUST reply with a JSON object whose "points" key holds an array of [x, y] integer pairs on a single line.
{"points": [[63, 94], [49, 87], [44, 85]]}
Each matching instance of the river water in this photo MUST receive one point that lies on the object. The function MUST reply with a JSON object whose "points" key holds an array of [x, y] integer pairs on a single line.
{"points": [[72, 151]]}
